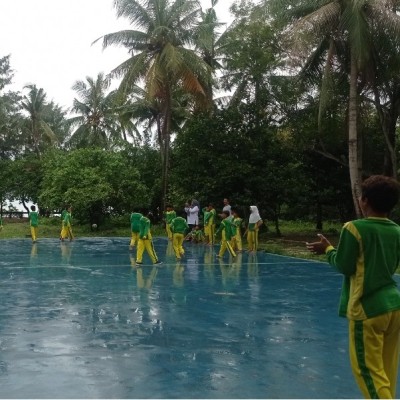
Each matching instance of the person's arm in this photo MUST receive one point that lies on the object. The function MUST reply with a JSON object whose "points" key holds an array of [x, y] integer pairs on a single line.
{"points": [[344, 257]]}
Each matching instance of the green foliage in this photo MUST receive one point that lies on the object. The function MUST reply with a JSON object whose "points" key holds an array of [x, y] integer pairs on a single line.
{"points": [[93, 181]]}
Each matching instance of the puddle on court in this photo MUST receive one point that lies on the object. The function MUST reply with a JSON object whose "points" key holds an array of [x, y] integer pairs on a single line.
{"points": [[80, 320]]}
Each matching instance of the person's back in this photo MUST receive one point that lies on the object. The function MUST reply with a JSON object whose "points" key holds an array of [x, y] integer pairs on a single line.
{"points": [[370, 272], [34, 218], [368, 255], [135, 221], [179, 225], [144, 228]]}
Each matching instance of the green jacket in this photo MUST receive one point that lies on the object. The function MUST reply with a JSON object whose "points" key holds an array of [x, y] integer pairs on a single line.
{"points": [[368, 255], [135, 221], [226, 226], [179, 225], [169, 216], [34, 218], [144, 232], [238, 224], [67, 218]]}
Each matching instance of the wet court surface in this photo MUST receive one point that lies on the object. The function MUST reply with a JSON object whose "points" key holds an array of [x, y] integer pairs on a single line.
{"points": [[80, 320]]}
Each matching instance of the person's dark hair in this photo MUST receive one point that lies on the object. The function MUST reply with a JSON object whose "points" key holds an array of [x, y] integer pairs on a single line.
{"points": [[33, 208], [382, 192], [226, 213], [235, 210]]}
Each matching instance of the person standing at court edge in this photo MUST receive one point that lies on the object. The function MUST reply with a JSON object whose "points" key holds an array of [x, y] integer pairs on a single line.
{"points": [[368, 255], [227, 207], [192, 213], [33, 222], [253, 226]]}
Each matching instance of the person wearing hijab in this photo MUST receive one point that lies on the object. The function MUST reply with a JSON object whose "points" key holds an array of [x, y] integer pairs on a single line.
{"points": [[255, 222]]}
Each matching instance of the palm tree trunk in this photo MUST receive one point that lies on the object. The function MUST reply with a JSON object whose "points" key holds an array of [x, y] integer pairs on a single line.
{"points": [[355, 164], [166, 135]]}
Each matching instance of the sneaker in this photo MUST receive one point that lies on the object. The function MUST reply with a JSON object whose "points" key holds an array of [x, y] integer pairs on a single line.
{"points": [[139, 262], [158, 263]]}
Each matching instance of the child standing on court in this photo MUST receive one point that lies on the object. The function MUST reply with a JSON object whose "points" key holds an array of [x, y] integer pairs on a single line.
{"points": [[226, 234], [255, 222], [178, 228], [368, 255], [209, 223], [145, 242], [170, 214], [135, 228], [67, 225], [237, 238], [33, 218], [63, 212]]}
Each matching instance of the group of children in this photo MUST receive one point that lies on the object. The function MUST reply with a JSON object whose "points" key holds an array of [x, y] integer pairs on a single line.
{"points": [[230, 229], [66, 228]]}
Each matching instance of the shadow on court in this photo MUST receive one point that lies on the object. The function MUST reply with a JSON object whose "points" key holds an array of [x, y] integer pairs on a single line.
{"points": [[81, 320]]}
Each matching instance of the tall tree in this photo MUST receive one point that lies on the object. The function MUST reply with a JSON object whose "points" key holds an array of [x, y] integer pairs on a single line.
{"points": [[161, 58], [96, 110], [38, 129], [344, 33]]}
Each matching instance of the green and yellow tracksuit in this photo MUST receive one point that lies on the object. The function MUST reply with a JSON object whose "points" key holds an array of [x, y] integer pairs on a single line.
{"points": [[237, 238], [145, 241], [198, 236], [368, 255], [209, 225], [67, 226], [34, 223], [252, 236], [169, 216], [135, 228], [206, 217], [226, 229], [63, 232], [178, 228]]}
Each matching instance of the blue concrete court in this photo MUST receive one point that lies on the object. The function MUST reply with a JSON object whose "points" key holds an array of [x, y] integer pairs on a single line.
{"points": [[79, 320]]}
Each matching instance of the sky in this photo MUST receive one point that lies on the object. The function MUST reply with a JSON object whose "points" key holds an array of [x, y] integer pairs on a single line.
{"points": [[50, 42]]}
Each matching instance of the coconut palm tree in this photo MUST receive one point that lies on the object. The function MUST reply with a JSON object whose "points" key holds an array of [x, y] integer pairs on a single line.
{"points": [[345, 34], [210, 42], [36, 105], [98, 113], [161, 57]]}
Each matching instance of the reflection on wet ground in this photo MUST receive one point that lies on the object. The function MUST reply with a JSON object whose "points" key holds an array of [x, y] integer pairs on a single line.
{"points": [[81, 320]]}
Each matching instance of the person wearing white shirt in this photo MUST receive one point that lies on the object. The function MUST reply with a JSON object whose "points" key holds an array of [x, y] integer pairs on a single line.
{"points": [[227, 206], [192, 213]]}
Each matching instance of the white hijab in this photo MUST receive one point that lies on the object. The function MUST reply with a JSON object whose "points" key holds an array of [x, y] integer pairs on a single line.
{"points": [[254, 215]]}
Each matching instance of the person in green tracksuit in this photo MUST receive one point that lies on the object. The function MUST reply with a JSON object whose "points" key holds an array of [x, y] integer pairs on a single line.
{"points": [[226, 230], [146, 242], [209, 223], [178, 228], [63, 232], [169, 215], [135, 228], [33, 222], [237, 238], [368, 254], [67, 223]]}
